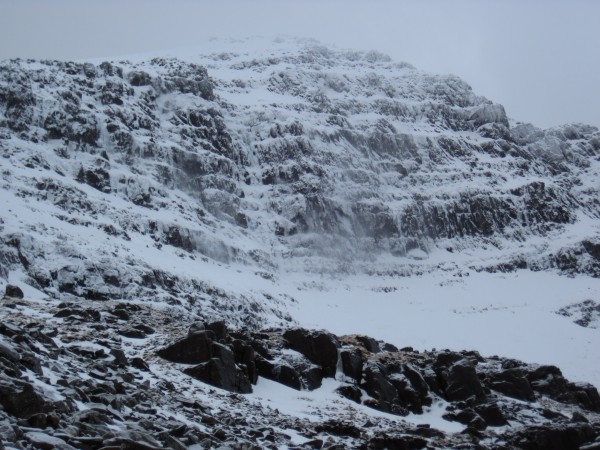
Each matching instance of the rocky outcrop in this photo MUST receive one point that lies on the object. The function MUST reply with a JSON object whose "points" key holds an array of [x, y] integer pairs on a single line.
{"points": [[90, 387], [216, 362]]}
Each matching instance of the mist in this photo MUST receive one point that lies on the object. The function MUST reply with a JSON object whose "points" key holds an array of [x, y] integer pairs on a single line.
{"points": [[539, 59]]}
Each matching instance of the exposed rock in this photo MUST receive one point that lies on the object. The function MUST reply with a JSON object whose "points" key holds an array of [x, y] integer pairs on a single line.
{"points": [[512, 382], [46, 442], [223, 373], [351, 392], [194, 349], [553, 437], [281, 373], [461, 382], [397, 442], [319, 347], [14, 291], [23, 403], [352, 363]]}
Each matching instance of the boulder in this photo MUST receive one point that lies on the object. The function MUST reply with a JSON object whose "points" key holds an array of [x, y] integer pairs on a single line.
{"points": [[417, 382], [193, 349], [22, 404], [319, 347], [461, 382], [351, 363], [388, 441], [379, 387], [511, 382], [14, 291], [8, 351], [44, 441], [370, 344], [282, 373], [120, 358], [407, 396], [553, 437], [245, 357], [492, 414], [338, 428], [139, 78], [218, 328], [351, 392], [222, 373], [312, 377]]}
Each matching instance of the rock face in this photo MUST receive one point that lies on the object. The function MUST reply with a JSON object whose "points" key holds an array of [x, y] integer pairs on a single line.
{"points": [[320, 348], [216, 362], [352, 159]]}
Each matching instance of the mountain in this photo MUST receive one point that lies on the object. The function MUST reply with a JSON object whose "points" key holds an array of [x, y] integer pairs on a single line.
{"points": [[253, 195]]}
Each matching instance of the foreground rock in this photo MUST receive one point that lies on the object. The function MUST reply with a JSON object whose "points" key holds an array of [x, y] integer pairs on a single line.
{"points": [[75, 381]]}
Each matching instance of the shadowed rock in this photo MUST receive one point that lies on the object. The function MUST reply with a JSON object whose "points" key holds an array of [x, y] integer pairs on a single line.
{"points": [[319, 347]]}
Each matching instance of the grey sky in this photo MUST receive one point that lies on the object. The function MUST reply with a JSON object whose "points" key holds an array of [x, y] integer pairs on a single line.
{"points": [[540, 59]]}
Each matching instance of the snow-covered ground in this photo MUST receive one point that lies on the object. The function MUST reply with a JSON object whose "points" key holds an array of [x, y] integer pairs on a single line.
{"points": [[511, 315]]}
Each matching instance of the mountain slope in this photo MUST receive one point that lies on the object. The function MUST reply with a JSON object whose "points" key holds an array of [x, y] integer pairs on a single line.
{"points": [[298, 185]]}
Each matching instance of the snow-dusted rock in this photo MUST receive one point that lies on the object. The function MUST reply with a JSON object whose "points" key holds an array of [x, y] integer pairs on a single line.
{"points": [[217, 188]]}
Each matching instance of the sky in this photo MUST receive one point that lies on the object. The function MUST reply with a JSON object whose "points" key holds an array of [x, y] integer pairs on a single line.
{"points": [[540, 59]]}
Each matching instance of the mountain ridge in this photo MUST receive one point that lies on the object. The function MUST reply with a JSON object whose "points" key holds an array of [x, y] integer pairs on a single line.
{"points": [[244, 187]]}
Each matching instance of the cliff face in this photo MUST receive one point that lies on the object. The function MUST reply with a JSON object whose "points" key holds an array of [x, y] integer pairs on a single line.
{"points": [[303, 158]]}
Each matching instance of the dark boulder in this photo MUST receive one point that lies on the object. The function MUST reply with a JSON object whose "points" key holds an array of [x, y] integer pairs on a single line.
{"points": [[492, 414], [312, 377], [98, 178], [585, 395], [13, 291], [245, 357], [418, 383], [9, 352], [467, 417], [461, 382], [194, 349], [282, 373], [351, 392], [396, 442], [23, 404], [379, 387], [139, 78], [407, 396], [369, 343], [288, 375], [446, 358], [120, 358], [223, 373], [553, 437], [547, 380], [511, 382], [338, 428], [140, 364], [218, 328], [319, 347], [351, 363]]}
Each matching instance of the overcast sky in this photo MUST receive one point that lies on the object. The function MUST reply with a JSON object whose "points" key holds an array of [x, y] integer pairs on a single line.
{"points": [[540, 59]]}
